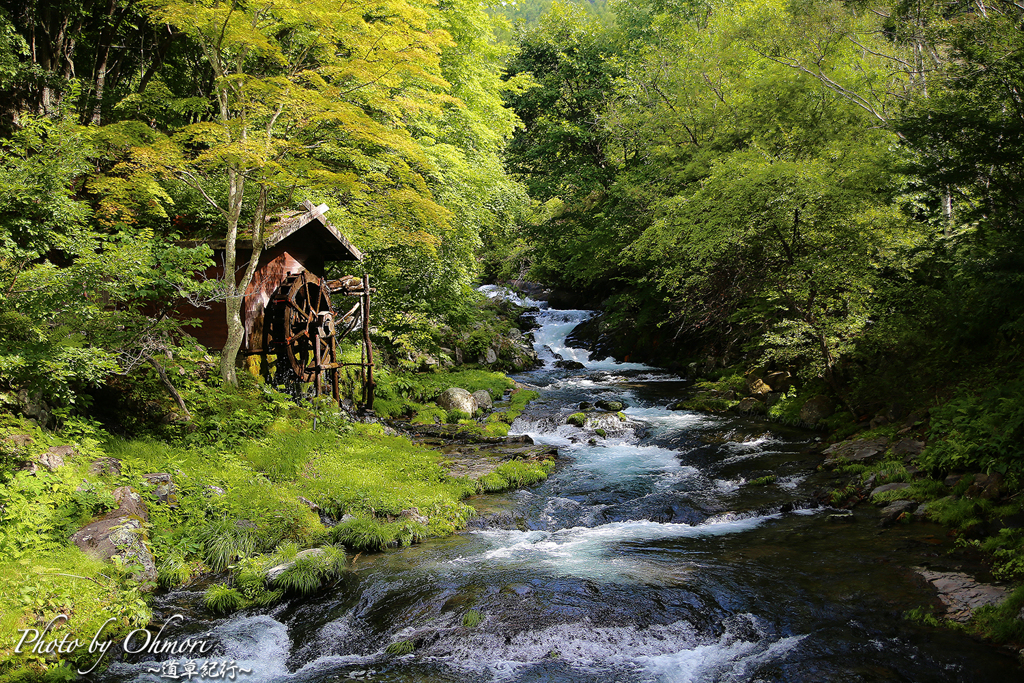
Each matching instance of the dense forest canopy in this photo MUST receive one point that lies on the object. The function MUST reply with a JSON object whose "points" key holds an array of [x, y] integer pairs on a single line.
{"points": [[830, 186]]}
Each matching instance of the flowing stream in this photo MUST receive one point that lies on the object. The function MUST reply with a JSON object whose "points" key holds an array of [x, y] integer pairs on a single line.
{"points": [[646, 556]]}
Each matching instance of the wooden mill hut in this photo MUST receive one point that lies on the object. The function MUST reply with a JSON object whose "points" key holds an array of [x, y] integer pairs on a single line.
{"points": [[287, 312]]}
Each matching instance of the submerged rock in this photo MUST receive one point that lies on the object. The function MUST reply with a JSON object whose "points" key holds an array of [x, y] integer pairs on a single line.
{"points": [[570, 365]]}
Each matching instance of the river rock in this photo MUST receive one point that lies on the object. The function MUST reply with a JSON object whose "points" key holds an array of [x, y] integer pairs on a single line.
{"points": [[570, 365], [121, 532], [457, 399], [858, 450], [816, 409], [961, 594], [483, 399], [891, 512], [759, 389], [749, 405], [490, 356], [612, 406], [888, 487], [908, 447], [779, 381]]}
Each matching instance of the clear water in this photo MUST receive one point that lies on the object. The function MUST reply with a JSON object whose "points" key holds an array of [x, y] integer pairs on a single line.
{"points": [[645, 557]]}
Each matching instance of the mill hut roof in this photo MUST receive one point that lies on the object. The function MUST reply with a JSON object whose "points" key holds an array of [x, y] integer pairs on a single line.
{"points": [[308, 224]]}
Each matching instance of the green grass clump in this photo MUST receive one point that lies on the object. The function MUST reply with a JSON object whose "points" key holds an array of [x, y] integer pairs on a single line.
{"points": [[429, 415], [472, 619], [373, 534], [402, 647], [763, 481], [226, 540], [223, 599], [577, 420], [308, 572], [515, 474]]}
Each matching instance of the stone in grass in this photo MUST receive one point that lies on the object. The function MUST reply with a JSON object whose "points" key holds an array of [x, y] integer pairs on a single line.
{"points": [[816, 409], [165, 491], [483, 399], [105, 467], [457, 399], [121, 532]]}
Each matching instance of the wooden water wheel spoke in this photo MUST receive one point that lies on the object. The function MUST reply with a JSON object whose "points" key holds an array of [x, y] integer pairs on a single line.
{"points": [[309, 329]]}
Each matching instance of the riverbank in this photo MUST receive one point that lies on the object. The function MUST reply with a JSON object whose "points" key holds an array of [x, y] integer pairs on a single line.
{"points": [[259, 498]]}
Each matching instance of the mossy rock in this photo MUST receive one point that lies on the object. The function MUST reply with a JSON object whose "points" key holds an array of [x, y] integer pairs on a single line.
{"points": [[577, 420]]}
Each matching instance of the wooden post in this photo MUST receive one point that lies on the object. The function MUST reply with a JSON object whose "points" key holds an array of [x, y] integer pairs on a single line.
{"points": [[369, 388]]}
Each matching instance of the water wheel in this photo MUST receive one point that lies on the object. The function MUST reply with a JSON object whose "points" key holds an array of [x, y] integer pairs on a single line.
{"points": [[310, 338]]}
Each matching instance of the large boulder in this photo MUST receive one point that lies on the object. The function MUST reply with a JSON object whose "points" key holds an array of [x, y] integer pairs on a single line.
{"points": [[778, 381], [817, 408], [749, 405], [908, 448], [759, 389], [457, 399], [483, 399], [570, 365], [121, 533]]}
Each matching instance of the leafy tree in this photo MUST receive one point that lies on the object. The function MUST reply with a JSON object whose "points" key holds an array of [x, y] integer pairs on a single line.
{"points": [[306, 94]]}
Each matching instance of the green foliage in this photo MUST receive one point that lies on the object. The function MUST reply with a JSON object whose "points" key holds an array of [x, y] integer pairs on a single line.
{"points": [[222, 599], [979, 430], [399, 648], [515, 474], [372, 534], [227, 540]]}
